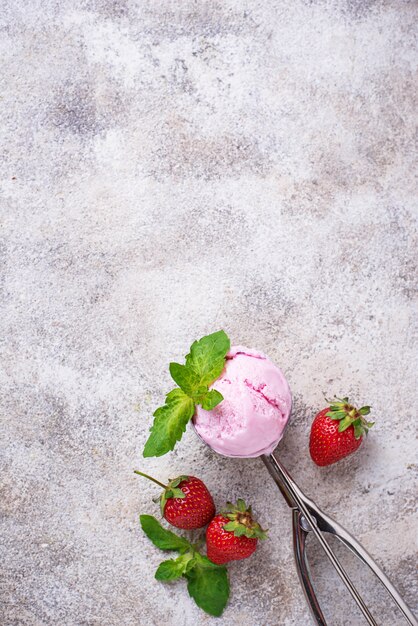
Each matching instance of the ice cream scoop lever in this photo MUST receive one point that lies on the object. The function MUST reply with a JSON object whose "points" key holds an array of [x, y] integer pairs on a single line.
{"points": [[308, 517]]}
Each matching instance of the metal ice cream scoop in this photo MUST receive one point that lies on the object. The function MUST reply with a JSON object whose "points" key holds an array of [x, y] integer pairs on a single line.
{"points": [[308, 518]]}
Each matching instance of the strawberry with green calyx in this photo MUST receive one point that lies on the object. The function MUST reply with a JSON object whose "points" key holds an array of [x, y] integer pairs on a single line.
{"points": [[337, 431], [207, 583], [185, 502], [203, 365], [233, 535]]}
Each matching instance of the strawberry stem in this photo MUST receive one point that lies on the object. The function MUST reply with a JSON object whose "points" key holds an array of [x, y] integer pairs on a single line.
{"points": [[154, 480]]}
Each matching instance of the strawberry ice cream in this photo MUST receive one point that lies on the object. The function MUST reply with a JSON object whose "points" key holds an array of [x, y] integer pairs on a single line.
{"points": [[251, 418]]}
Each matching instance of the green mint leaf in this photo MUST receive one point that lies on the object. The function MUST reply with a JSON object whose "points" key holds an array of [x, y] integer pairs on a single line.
{"points": [[175, 568], [204, 364], [162, 538], [208, 585], [210, 400], [187, 379], [170, 422], [207, 356]]}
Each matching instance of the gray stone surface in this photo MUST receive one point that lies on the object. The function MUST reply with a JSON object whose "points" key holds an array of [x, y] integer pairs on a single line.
{"points": [[168, 169]]}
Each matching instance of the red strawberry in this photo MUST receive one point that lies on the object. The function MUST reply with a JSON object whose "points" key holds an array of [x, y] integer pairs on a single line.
{"points": [[185, 502], [233, 535], [337, 431]]}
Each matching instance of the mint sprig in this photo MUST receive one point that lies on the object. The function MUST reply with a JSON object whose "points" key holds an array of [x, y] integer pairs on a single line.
{"points": [[204, 364], [207, 583]]}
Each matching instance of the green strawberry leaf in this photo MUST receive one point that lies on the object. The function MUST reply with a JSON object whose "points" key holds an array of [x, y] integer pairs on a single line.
{"points": [[344, 424], [208, 585], [336, 415], [170, 422], [172, 491], [348, 415], [358, 429], [211, 399], [176, 481], [238, 529], [241, 522], [241, 506], [257, 533], [176, 493], [207, 356], [175, 568], [162, 538]]}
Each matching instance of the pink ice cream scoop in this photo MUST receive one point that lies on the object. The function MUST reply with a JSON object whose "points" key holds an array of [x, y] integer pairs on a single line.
{"points": [[251, 418]]}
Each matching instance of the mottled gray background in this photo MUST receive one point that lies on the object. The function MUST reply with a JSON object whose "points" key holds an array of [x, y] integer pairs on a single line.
{"points": [[168, 169]]}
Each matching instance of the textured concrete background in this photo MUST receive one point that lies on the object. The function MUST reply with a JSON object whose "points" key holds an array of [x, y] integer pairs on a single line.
{"points": [[168, 169]]}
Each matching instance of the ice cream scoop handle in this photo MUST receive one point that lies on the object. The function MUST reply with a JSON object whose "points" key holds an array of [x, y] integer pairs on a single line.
{"points": [[327, 524], [311, 518], [281, 475]]}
